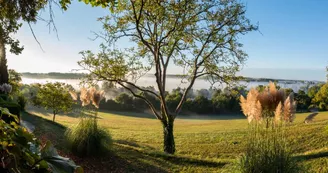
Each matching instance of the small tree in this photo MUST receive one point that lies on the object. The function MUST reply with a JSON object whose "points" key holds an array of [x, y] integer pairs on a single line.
{"points": [[54, 96]]}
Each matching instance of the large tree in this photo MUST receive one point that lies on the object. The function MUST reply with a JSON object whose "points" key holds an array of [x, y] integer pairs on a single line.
{"points": [[14, 12], [201, 37]]}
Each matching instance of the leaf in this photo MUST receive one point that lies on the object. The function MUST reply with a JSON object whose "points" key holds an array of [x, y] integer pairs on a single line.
{"points": [[56, 163], [48, 150], [43, 164], [30, 160]]}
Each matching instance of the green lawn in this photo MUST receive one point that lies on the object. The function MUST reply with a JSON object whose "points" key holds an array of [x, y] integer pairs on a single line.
{"points": [[202, 145]]}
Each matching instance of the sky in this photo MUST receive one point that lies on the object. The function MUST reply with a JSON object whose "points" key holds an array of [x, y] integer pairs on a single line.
{"points": [[291, 42]]}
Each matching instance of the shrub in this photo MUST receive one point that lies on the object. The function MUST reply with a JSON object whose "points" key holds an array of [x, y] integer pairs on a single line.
{"points": [[21, 152], [22, 101], [87, 139], [267, 151]]}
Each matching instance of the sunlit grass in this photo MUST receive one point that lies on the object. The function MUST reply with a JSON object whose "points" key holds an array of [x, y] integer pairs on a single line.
{"points": [[208, 141]]}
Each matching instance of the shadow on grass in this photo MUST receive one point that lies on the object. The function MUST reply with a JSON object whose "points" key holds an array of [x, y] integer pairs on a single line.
{"points": [[112, 162], [182, 116], [174, 159], [312, 156], [134, 144], [125, 156], [76, 113], [189, 161], [130, 114]]}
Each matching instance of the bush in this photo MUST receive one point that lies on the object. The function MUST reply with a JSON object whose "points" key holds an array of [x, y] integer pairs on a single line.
{"points": [[267, 151], [21, 152], [22, 101], [87, 139]]}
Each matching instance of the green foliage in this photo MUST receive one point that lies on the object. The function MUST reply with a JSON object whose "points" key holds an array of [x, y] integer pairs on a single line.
{"points": [[312, 91], [321, 98], [4, 97], [267, 150], [126, 101], [87, 139], [57, 163], [207, 29], [201, 104], [288, 91], [303, 101], [54, 96], [13, 108], [172, 99], [22, 101], [94, 3], [21, 151], [14, 80], [11, 12], [164, 32]]}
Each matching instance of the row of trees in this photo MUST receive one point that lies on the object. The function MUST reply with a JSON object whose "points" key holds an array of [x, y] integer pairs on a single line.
{"points": [[57, 97], [214, 101]]}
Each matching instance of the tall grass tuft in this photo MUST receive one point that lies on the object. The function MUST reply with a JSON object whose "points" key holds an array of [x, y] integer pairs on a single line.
{"points": [[86, 139], [267, 151]]}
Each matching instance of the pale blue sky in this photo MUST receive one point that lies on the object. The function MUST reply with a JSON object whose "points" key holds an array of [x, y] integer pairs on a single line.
{"points": [[293, 43]]}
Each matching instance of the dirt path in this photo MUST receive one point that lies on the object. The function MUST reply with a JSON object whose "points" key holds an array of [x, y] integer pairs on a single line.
{"points": [[29, 126]]}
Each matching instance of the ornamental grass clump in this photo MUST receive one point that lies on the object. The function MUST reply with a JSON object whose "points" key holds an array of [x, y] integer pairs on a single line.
{"points": [[267, 149], [86, 138], [270, 105]]}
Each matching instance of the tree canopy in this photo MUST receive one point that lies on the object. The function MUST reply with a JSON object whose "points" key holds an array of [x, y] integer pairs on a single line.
{"points": [[321, 97], [54, 96], [200, 37]]}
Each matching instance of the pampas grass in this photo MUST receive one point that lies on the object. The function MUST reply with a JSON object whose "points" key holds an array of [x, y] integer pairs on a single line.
{"points": [[85, 139], [268, 104], [73, 95], [85, 97], [91, 95], [96, 97], [267, 151]]}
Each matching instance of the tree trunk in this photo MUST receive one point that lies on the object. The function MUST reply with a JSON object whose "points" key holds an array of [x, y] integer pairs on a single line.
{"points": [[53, 118], [3, 63], [169, 145]]}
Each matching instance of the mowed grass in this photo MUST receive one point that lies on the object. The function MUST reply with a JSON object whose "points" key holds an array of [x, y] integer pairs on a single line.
{"points": [[202, 145]]}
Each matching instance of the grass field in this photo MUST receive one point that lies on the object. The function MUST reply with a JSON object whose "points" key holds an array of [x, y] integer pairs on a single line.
{"points": [[202, 145]]}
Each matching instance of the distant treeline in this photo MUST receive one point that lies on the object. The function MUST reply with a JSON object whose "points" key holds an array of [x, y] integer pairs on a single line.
{"points": [[53, 75], [204, 101], [215, 101], [57, 75]]}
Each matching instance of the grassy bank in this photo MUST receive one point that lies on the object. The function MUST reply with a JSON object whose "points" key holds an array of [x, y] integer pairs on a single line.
{"points": [[202, 145]]}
